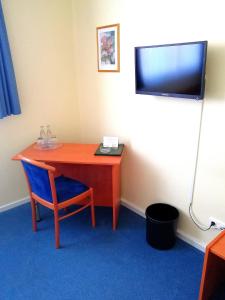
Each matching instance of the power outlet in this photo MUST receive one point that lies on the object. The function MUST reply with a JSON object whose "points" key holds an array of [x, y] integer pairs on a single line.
{"points": [[219, 225]]}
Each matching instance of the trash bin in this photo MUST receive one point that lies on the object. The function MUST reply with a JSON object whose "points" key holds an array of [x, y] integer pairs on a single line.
{"points": [[161, 221]]}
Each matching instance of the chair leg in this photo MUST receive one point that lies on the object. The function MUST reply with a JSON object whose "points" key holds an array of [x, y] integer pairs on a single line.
{"points": [[56, 219], [38, 218], [33, 208], [92, 210]]}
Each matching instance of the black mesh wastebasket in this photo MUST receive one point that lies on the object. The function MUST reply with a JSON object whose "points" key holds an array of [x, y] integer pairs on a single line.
{"points": [[161, 221]]}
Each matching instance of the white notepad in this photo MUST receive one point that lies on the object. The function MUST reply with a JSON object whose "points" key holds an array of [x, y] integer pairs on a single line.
{"points": [[110, 141]]}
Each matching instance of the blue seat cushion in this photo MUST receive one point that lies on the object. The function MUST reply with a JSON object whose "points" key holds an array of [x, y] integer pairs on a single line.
{"points": [[67, 188]]}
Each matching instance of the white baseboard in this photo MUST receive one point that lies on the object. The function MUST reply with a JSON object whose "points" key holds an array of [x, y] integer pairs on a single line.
{"points": [[190, 240], [180, 234], [14, 204]]}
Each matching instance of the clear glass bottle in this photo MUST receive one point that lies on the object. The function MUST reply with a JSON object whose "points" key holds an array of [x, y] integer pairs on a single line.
{"points": [[42, 138], [42, 133], [49, 132]]}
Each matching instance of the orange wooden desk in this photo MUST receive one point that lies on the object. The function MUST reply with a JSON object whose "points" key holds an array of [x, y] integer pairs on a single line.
{"points": [[213, 272], [102, 173]]}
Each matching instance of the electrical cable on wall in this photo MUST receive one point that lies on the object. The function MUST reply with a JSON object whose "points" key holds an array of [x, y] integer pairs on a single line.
{"points": [[191, 213]]}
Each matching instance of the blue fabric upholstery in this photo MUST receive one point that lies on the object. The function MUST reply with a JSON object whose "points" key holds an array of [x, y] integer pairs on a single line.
{"points": [[67, 188], [39, 181]]}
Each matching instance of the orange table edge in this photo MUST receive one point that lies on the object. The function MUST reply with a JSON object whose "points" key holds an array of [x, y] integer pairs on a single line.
{"points": [[78, 161]]}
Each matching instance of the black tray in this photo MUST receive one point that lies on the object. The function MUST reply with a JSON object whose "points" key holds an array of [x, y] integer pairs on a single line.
{"points": [[109, 151]]}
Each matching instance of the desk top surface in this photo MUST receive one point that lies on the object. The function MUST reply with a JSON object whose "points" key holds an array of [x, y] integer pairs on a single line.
{"points": [[217, 246], [69, 153]]}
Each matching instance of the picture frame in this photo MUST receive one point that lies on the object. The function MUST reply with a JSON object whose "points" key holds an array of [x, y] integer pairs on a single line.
{"points": [[108, 48]]}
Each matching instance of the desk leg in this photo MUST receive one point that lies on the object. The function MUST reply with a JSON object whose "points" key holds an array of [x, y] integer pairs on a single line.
{"points": [[115, 194]]}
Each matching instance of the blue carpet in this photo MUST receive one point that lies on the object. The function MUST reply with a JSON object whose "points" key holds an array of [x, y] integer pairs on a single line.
{"points": [[92, 263]]}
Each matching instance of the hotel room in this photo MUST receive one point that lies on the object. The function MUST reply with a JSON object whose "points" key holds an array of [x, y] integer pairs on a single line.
{"points": [[174, 150]]}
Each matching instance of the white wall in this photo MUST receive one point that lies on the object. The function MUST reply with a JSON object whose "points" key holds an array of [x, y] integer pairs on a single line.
{"points": [[160, 133], [41, 40]]}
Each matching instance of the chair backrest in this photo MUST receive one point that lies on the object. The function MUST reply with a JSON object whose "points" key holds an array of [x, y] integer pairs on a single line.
{"points": [[38, 178]]}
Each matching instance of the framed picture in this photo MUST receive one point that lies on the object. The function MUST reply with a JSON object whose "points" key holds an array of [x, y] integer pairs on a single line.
{"points": [[108, 51]]}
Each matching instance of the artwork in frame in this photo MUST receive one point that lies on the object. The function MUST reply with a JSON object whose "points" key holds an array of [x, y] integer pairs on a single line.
{"points": [[108, 43]]}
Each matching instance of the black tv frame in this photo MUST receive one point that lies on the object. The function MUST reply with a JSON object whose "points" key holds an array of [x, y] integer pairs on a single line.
{"points": [[177, 95]]}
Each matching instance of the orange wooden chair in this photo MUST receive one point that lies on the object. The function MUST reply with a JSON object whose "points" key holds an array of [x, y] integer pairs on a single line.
{"points": [[55, 193]]}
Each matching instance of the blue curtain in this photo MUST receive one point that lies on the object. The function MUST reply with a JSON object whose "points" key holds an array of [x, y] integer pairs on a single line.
{"points": [[9, 100]]}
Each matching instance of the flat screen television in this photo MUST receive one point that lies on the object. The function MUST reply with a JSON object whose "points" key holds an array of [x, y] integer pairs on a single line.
{"points": [[173, 70]]}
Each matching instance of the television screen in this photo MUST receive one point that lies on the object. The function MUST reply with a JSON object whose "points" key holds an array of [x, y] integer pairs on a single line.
{"points": [[175, 70]]}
